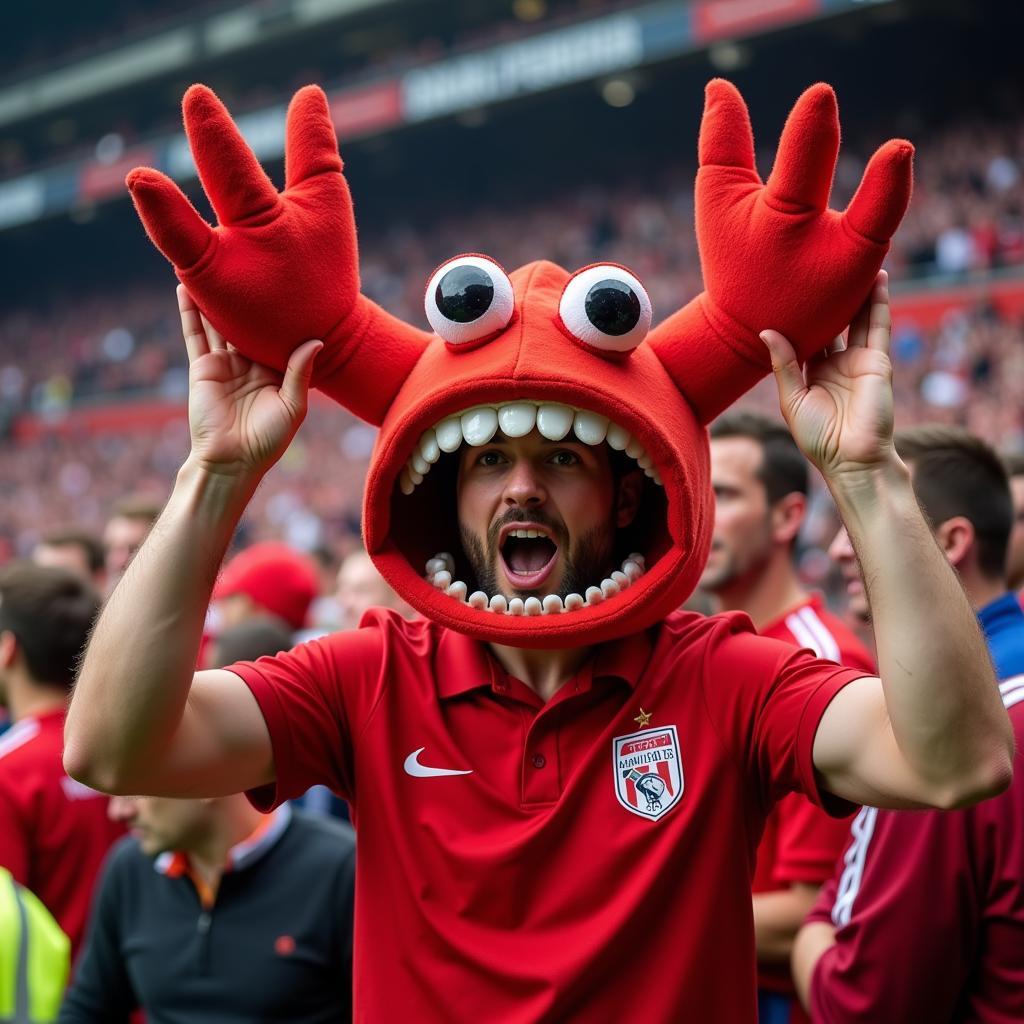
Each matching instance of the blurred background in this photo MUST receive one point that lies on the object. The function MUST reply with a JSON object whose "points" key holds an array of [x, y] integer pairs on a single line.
{"points": [[562, 129]]}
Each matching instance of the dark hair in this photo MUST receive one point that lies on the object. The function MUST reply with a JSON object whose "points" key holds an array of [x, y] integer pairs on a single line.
{"points": [[136, 506], [252, 639], [50, 612], [1013, 463], [958, 474], [90, 544], [783, 469]]}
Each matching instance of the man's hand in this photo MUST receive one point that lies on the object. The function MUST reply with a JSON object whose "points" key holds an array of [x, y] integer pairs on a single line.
{"points": [[840, 407], [242, 416]]}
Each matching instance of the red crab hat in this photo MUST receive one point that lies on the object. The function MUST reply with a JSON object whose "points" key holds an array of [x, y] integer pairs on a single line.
{"points": [[567, 354]]}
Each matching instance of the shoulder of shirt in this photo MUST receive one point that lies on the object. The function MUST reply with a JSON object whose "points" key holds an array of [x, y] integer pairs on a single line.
{"points": [[684, 625], [19, 736], [329, 838], [390, 627]]}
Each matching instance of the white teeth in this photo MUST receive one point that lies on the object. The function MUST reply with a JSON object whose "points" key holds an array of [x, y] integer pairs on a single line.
{"points": [[589, 427], [449, 434], [526, 534], [574, 602], [479, 425], [532, 606], [621, 578], [518, 419], [429, 448], [609, 588], [457, 590], [594, 595], [634, 557], [442, 579], [552, 604], [515, 606], [435, 565], [498, 604], [632, 570], [478, 599], [618, 437], [554, 421]]}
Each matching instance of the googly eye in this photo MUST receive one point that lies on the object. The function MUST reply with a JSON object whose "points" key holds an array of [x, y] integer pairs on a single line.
{"points": [[606, 307], [468, 298]]}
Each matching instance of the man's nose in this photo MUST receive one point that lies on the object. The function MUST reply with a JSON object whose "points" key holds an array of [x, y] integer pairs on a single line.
{"points": [[524, 487], [122, 808], [840, 549]]}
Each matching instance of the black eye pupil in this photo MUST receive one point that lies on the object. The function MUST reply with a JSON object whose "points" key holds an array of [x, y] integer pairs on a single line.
{"points": [[613, 307], [464, 294]]}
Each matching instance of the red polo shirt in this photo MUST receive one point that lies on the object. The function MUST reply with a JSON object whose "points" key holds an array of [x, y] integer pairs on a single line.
{"points": [[802, 843], [54, 832], [587, 859]]}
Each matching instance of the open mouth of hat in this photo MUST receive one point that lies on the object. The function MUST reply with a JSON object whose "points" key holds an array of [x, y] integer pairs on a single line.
{"points": [[527, 551]]}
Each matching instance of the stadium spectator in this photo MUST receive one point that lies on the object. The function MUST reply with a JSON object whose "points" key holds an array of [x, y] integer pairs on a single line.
{"points": [[126, 529], [361, 587], [760, 481], [35, 958], [54, 832], [923, 918], [240, 914], [1015, 554], [210, 911], [77, 550]]}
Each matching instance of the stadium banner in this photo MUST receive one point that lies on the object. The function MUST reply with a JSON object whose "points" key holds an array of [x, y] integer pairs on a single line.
{"points": [[550, 59]]}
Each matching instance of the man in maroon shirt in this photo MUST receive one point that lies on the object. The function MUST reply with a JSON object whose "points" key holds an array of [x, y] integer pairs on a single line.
{"points": [[54, 832], [924, 917], [546, 830], [760, 481]]}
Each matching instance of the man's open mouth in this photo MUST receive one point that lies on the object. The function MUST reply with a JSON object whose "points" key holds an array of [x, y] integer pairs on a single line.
{"points": [[528, 552]]}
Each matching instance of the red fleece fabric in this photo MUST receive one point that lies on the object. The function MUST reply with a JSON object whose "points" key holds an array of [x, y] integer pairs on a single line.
{"points": [[773, 255], [280, 268]]}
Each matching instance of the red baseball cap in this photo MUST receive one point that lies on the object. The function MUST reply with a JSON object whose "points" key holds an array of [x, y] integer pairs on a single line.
{"points": [[277, 578]]}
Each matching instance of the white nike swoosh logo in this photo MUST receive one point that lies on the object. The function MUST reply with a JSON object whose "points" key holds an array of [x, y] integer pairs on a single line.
{"points": [[413, 767]]}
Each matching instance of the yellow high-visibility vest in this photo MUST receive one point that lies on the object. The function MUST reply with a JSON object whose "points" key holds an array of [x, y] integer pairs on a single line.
{"points": [[35, 957]]}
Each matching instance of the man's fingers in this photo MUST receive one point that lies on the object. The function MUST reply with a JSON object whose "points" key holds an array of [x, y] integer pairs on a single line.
{"points": [[788, 375], [297, 375], [884, 192], [192, 330], [311, 147], [726, 138], [236, 184], [171, 221], [880, 315], [213, 337], [806, 160]]}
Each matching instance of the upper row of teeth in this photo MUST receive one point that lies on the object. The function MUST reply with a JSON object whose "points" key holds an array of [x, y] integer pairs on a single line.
{"points": [[441, 567], [478, 425]]}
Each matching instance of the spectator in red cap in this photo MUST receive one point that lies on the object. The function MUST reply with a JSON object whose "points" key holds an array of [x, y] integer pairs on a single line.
{"points": [[266, 578]]}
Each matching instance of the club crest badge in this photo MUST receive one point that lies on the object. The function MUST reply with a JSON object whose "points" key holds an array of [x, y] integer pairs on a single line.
{"points": [[648, 771]]}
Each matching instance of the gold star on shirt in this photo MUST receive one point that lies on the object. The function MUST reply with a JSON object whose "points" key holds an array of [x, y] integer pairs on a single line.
{"points": [[643, 718]]}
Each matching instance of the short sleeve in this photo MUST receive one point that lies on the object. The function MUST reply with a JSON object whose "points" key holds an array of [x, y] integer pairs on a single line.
{"points": [[766, 699], [314, 700]]}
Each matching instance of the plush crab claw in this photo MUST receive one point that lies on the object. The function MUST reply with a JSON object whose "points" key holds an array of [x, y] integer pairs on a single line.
{"points": [[773, 254], [279, 267]]}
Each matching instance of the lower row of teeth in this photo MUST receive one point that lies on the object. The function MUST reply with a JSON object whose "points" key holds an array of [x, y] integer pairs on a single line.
{"points": [[441, 567]]}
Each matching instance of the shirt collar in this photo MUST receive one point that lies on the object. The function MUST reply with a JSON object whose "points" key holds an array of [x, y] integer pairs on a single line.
{"points": [[259, 842], [1000, 613], [462, 664]]}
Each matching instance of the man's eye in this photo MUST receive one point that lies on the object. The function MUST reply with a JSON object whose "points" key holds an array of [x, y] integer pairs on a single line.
{"points": [[565, 458], [489, 459]]}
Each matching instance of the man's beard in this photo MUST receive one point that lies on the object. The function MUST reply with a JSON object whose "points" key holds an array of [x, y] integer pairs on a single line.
{"points": [[586, 563]]}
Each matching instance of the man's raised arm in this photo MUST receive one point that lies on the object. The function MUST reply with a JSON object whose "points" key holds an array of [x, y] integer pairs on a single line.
{"points": [[932, 731], [140, 721]]}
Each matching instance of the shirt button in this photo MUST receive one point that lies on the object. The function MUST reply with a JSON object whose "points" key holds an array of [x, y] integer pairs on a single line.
{"points": [[539, 760]]}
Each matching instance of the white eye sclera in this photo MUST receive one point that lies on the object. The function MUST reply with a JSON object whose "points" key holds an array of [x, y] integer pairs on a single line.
{"points": [[468, 298], [607, 308]]}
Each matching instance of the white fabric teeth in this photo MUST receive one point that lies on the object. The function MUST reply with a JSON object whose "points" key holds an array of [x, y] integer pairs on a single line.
{"points": [[476, 427], [440, 570]]}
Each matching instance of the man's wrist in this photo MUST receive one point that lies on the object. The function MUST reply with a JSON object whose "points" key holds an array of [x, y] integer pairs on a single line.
{"points": [[865, 490], [214, 492]]}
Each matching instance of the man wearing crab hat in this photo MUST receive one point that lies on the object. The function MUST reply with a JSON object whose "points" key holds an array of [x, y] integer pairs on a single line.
{"points": [[558, 781]]}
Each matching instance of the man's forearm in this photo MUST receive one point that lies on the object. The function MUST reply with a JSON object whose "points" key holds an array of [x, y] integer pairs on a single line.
{"points": [[138, 667], [940, 694], [812, 941], [777, 918]]}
